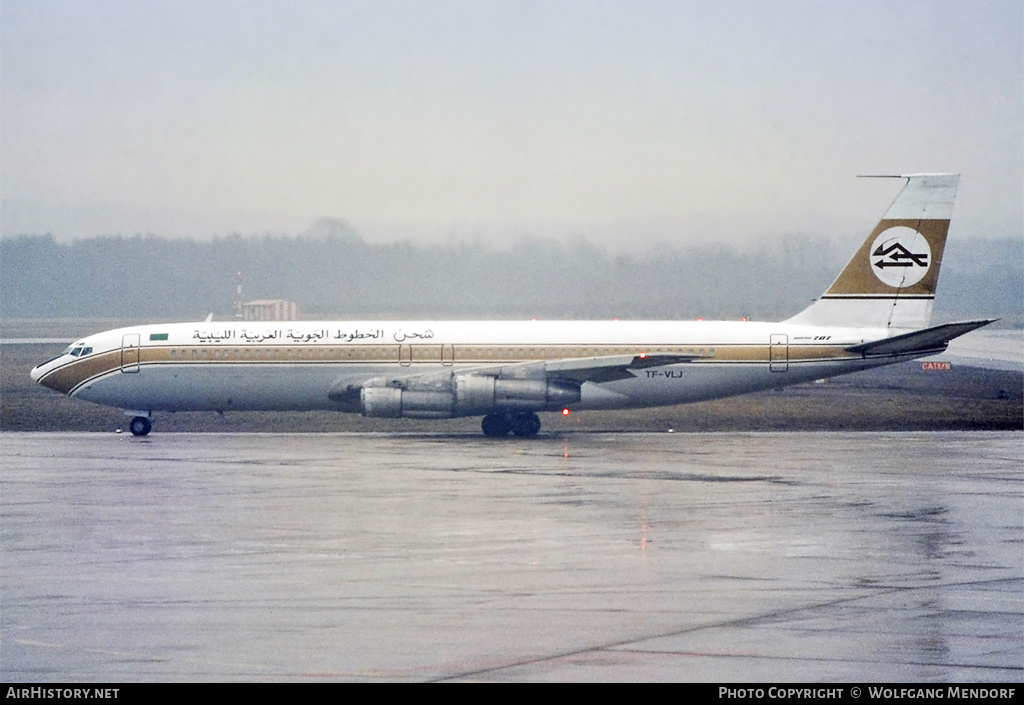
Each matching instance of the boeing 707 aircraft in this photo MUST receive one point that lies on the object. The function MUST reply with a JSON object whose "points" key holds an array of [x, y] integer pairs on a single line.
{"points": [[877, 312]]}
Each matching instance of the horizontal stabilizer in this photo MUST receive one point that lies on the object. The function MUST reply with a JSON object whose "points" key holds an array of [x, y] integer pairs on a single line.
{"points": [[936, 338]]}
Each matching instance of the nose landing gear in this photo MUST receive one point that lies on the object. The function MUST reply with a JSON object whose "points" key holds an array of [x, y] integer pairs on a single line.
{"points": [[140, 426]]}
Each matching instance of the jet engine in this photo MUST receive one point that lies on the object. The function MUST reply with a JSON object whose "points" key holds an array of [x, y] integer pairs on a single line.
{"points": [[463, 395]]}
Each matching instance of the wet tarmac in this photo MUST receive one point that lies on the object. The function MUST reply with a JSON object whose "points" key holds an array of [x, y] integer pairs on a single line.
{"points": [[768, 557]]}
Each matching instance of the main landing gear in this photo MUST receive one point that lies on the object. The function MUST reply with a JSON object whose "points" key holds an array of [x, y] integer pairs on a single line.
{"points": [[140, 426], [521, 423]]}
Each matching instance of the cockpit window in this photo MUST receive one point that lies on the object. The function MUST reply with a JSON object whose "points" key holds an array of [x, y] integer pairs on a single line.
{"points": [[76, 350]]}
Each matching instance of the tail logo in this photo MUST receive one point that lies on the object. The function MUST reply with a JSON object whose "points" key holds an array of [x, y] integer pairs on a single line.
{"points": [[900, 256]]}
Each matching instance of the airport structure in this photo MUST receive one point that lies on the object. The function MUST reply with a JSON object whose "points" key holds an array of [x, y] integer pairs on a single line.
{"points": [[270, 310]]}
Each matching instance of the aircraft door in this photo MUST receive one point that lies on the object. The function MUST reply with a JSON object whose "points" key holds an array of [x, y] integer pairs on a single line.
{"points": [[130, 352], [405, 355], [778, 352], [448, 355]]}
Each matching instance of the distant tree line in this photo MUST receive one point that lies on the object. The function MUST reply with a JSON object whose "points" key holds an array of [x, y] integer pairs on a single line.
{"points": [[332, 272]]}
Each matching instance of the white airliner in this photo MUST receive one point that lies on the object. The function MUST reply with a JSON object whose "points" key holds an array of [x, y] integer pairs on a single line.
{"points": [[875, 313]]}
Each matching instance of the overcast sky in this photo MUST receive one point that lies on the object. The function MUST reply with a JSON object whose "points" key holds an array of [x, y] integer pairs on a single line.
{"points": [[623, 122]]}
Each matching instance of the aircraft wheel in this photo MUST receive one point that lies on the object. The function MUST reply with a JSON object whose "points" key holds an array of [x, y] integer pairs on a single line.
{"points": [[527, 424], [140, 426], [495, 425]]}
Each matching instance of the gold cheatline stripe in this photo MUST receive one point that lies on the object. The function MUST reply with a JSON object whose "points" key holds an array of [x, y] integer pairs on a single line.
{"points": [[73, 374], [476, 354]]}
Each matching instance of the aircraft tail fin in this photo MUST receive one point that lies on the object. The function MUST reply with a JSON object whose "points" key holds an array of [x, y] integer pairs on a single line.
{"points": [[890, 282]]}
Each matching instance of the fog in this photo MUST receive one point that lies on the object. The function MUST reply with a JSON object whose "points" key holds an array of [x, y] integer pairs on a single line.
{"points": [[332, 272], [620, 121]]}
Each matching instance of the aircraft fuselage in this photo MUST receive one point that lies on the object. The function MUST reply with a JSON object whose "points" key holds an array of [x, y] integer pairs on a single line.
{"points": [[304, 365]]}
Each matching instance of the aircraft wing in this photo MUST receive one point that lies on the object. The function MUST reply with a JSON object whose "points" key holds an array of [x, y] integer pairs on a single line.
{"points": [[573, 371], [609, 368], [936, 338]]}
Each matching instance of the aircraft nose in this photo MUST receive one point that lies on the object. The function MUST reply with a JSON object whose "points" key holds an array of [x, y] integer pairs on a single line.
{"points": [[40, 370], [50, 375]]}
